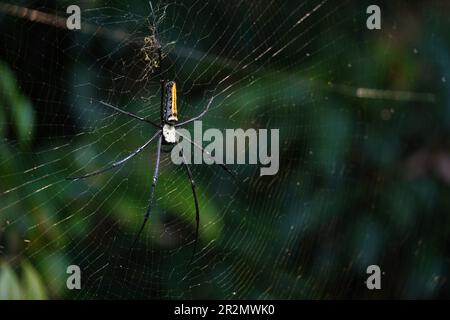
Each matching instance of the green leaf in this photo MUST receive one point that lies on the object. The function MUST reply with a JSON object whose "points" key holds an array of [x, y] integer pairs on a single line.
{"points": [[23, 117], [19, 107], [33, 285], [9, 284], [2, 120]]}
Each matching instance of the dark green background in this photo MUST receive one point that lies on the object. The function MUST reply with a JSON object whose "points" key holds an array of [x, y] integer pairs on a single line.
{"points": [[361, 181]]}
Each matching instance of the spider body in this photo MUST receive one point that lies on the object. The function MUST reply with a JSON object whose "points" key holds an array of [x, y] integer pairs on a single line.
{"points": [[167, 135]]}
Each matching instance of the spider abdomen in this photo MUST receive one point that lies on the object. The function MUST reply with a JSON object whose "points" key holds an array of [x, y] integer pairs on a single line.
{"points": [[170, 113]]}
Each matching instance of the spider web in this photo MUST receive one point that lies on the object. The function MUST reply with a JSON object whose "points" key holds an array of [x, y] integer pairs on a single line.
{"points": [[268, 64]]}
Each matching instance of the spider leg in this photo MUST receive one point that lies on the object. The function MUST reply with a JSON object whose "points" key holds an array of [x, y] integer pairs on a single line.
{"points": [[132, 115], [118, 163], [152, 192], [197, 117], [224, 167], [197, 211]]}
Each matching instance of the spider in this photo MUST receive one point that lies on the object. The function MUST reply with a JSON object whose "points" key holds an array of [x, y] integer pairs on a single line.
{"points": [[166, 135]]}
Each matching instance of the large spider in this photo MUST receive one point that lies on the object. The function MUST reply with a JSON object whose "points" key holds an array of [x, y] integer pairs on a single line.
{"points": [[166, 135]]}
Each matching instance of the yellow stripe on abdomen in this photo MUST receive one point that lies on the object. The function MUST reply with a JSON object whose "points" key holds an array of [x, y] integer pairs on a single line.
{"points": [[174, 101]]}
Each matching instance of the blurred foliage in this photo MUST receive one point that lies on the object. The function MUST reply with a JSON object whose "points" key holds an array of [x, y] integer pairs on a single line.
{"points": [[29, 286], [21, 111], [361, 181]]}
